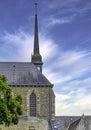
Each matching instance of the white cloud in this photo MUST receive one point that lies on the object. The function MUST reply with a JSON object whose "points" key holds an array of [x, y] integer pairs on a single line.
{"points": [[18, 46], [62, 68], [73, 103], [53, 21], [66, 4], [47, 48], [75, 98], [69, 65], [69, 10]]}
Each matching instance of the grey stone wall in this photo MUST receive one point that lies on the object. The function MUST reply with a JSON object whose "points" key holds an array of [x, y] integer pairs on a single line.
{"points": [[45, 100], [37, 124]]}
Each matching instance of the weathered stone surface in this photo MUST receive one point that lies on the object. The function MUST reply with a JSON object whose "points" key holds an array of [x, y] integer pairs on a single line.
{"points": [[45, 101], [36, 123]]}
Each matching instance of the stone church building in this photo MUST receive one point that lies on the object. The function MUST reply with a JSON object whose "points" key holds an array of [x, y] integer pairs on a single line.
{"points": [[27, 78], [38, 96]]}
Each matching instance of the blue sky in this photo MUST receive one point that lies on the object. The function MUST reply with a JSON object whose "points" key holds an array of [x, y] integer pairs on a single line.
{"points": [[65, 44]]}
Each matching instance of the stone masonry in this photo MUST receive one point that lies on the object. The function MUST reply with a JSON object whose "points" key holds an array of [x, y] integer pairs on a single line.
{"points": [[45, 101]]}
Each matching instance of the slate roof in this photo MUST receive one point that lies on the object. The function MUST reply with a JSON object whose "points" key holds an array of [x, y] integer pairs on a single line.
{"points": [[64, 121], [23, 73], [71, 122], [74, 125]]}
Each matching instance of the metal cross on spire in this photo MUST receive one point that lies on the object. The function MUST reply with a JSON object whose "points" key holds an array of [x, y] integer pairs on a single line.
{"points": [[36, 8]]}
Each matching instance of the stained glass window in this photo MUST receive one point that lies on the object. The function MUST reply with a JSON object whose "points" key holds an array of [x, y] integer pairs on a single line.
{"points": [[33, 104]]}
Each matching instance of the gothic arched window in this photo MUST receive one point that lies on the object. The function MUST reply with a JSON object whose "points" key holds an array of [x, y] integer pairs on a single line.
{"points": [[33, 104]]}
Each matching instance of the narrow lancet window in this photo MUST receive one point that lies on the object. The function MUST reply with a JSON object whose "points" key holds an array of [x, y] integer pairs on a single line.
{"points": [[33, 104]]}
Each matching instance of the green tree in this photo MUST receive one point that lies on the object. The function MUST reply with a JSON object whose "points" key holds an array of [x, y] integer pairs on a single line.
{"points": [[10, 105]]}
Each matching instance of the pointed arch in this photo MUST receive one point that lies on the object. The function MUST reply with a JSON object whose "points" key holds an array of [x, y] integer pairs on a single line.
{"points": [[33, 104]]}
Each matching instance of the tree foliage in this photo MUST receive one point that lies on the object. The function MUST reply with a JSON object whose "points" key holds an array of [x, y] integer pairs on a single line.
{"points": [[10, 105]]}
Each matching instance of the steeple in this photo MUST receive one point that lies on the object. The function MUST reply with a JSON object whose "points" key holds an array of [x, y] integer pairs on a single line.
{"points": [[36, 40], [36, 58]]}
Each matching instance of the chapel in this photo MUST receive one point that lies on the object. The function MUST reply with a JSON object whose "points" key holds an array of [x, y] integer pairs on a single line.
{"points": [[27, 79], [38, 96]]}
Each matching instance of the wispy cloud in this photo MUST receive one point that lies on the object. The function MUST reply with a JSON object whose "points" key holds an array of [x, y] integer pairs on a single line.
{"points": [[16, 47], [76, 100], [70, 65], [70, 70], [63, 12], [54, 20], [73, 107], [76, 5]]}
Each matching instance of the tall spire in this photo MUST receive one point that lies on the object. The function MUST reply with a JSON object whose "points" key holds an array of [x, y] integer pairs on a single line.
{"points": [[36, 58], [36, 40]]}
